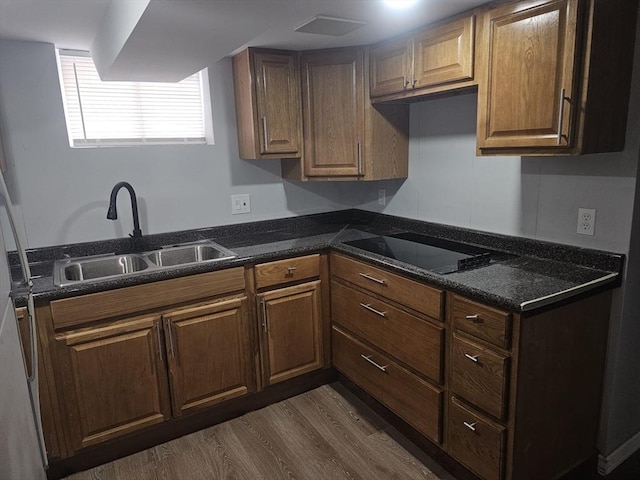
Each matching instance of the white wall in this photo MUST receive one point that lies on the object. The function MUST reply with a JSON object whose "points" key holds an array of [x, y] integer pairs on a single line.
{"points": [[530, 197], [63, 192]]}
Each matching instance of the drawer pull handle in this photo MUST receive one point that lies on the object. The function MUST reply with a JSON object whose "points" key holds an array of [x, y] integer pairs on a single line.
{"points": [[371, 309], [373, 279], [475, 318], [470, 426], [290, 270], [473, 358], [377, 365]]}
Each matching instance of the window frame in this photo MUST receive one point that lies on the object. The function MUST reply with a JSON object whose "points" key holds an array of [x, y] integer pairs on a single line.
{"points": [[205, 101]]}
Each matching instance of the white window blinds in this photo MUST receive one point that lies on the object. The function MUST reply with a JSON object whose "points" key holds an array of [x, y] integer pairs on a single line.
{"points": [[108, 113]]}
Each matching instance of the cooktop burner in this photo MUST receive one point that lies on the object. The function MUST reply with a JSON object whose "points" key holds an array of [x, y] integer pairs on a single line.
{"points": [[433, 254]]}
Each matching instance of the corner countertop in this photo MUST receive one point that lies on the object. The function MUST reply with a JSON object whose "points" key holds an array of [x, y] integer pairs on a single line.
{"points": [[540, 275]]}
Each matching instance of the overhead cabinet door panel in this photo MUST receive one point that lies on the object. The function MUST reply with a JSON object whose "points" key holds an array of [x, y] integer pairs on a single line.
{"points": [[391, 66], [278, 103], [444, 54], [528, 97], [333, 109]]}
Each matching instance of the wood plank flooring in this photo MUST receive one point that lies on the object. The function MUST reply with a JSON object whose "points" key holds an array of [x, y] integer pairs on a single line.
{"points": [[326, 433]]}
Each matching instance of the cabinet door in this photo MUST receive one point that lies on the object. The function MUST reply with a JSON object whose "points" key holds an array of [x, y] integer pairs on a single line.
{"points": [[278, 103], [526, 97], [390, 66], [443, 54], [333, 106], [113, 380], [291, 331], [23, 327], [209, 354]]}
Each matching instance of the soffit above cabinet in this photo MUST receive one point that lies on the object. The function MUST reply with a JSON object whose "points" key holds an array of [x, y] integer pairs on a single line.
{"points": [[167, 40]]}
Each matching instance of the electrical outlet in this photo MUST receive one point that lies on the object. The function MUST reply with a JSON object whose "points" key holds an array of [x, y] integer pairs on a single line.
{"points": [[586, 221], [382, 196], [240, 204]]}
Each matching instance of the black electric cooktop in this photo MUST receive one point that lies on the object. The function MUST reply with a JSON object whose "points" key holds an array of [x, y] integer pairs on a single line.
{"points": [[433, 254]]}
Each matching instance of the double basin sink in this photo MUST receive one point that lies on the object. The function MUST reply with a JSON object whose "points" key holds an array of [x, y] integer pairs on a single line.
{"points": [[106, 267]]}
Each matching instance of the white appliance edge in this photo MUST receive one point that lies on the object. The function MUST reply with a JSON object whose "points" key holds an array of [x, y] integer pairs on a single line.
{"points": [[22, 449]]}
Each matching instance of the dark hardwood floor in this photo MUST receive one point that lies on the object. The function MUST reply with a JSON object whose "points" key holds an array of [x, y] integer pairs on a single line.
{"points": [[326, 433]]}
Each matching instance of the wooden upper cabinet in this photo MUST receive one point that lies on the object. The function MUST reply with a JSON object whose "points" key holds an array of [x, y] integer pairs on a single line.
{"points": [[333, 103], [443, 53], [434, 59], [292, 339], [391, 66], [529, 91], [113, 380], [555, 76], [208, 350], [345, 136], [267, 94]]}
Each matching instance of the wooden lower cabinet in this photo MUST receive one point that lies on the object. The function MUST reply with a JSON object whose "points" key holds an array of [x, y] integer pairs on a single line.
{"points": [[291, 326], [476, 441], [507, 403], [142, 355], [416, 401], [479, 375], [209, 354], [412, 340], [114, 380]]}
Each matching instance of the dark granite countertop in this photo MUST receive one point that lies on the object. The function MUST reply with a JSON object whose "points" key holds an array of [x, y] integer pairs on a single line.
{"points": [[542, 273]]}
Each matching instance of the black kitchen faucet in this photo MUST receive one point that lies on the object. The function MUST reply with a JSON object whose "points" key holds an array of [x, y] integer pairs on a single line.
{"points": [[112, 213]]}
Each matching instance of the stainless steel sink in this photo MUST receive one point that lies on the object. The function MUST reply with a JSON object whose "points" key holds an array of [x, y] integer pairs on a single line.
{"points": [[106, 267], [181, 255], [93, 268]]}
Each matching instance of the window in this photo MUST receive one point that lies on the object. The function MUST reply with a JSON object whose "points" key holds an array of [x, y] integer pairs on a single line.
{"points": [[110, 113]]}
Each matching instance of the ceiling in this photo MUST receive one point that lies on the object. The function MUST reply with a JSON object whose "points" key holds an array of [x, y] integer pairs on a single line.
{"points": [[167, 40]]}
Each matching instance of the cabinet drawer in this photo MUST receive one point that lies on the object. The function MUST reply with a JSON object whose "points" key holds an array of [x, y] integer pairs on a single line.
{"points": [[475, 441], [411, 398], [123, 301], [480, 376], [408, 338], [481, 321], [414, 295], [286, 271]]}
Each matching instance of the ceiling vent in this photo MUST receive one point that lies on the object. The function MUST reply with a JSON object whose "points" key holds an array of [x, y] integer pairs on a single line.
{"points": [[325, 25]]}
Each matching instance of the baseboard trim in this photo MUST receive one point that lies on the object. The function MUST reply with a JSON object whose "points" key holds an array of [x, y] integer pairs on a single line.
{"points": [[608, 464]]}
